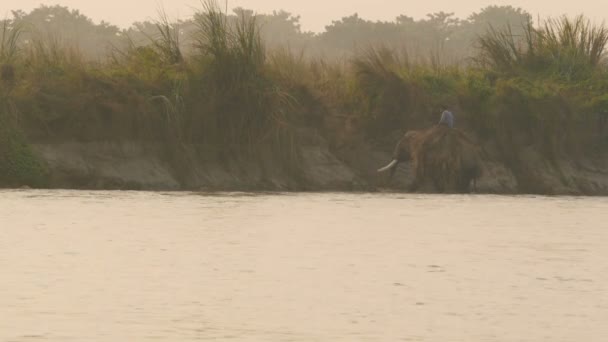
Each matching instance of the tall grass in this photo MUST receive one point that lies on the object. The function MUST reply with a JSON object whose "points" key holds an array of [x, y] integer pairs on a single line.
{"points": [[168, 42], [384, 92], [244, 104], [396, 92], [19, 165], [235, 96], [564, 48], [49, 56], [9, 53], [544, 84], [9, 49], [9, 39], [158, 60]]}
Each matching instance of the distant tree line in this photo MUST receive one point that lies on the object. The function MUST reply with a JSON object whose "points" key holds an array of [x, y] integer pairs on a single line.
{"points": [[440, 37]]}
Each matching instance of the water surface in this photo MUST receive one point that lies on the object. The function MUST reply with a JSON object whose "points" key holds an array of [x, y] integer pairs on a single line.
{"points": [[137, 266]]}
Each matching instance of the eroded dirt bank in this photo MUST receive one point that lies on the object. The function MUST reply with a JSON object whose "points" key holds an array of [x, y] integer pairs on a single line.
{"points": [[321, 167]]}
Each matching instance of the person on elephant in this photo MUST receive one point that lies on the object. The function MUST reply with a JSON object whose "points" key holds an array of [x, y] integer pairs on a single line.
{"points": [[447, 117]]}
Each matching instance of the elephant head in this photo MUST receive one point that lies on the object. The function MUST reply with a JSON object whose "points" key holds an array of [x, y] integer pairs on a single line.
{"points": [[402, 152]]}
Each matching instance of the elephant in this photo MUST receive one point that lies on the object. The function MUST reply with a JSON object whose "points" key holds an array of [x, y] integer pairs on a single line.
{"points": [[444, 159], [403, 151]]}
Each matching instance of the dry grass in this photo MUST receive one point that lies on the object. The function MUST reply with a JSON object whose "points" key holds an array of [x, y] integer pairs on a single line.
{"points": [[565, 48]]}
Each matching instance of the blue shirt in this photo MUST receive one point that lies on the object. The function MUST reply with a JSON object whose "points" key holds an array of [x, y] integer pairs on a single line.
{"points": [[447, 118]]}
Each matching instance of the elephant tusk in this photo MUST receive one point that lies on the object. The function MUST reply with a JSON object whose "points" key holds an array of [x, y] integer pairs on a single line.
{"points": [[389, 166]]}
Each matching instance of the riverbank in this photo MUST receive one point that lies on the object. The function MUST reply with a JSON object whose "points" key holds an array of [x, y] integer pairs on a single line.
{"points": [[137, 166], [236, 116]]}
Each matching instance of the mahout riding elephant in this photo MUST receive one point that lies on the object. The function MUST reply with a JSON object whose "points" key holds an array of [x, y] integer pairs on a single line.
{"points": [[444, 159]]}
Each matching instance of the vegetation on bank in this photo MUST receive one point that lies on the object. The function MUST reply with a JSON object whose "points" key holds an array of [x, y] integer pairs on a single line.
{"points": [[233, 96]]}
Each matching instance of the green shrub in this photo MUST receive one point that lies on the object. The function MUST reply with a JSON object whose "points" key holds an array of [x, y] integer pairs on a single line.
{"points": [[19, 165]]}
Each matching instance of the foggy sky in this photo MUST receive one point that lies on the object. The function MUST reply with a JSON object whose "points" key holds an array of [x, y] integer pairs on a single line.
{"points": [[315, 14]]}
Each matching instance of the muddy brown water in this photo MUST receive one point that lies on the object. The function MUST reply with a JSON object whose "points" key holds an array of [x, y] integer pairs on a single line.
{"points": [[138, 266]]}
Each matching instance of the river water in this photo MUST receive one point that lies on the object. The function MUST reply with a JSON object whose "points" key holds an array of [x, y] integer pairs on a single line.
{"points": [[138, 266]]}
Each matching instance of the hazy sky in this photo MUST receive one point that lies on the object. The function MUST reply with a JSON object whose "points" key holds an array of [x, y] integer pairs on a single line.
{"points": [[315, 13]]}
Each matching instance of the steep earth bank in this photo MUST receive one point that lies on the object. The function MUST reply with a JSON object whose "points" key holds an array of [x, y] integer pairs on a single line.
{"points": [[322, 167]]}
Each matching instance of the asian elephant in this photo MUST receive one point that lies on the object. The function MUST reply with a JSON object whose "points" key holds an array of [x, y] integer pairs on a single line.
{"points": [[444, 159]]}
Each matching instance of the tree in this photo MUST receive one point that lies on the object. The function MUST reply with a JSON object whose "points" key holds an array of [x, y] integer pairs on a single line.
{"points": [[499, 17], [353, 32], [69, 26], [283, 29]]}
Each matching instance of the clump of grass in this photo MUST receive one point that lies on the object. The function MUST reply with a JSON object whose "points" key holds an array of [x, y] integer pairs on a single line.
{"points": [[47, 56], [9, 39], [157, 60], [475, 97], [385, 93], [168, 42], [290, 68], [564, 48], [9, 50], [18, 163], [377, 70], [64, 96], [244, 104], [163, 65]]}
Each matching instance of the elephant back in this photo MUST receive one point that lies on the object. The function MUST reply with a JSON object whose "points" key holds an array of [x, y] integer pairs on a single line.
{"points": [[446, 160]]}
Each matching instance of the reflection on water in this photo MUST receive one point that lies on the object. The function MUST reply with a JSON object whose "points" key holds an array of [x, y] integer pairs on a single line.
{"points": [[137, 266]]}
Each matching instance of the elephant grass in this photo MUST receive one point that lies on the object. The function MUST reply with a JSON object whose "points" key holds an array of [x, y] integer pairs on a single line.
{"points": [[565, 48], [515, 110], [233, 95], [9, 50], [225, 95], [244, 104], [9, 41]]}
